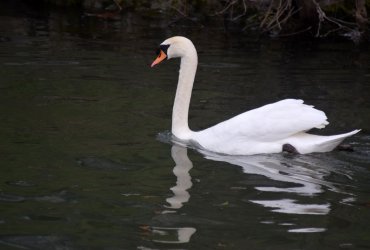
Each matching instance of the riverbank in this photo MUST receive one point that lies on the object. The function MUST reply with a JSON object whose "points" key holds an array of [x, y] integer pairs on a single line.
{"points": [[272, 18]]}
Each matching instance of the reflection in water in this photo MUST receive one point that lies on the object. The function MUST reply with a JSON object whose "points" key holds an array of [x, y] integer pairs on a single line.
{"points": [[181, 171], [302, 175], [307, 230], [307, 176], [173, 235], [289, 206]]}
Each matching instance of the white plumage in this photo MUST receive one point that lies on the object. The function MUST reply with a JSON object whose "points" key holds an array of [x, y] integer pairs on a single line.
{"points": [[262, 130]]}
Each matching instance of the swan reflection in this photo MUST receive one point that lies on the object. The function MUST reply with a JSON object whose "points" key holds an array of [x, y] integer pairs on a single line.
{"points": [[176, 235], [300, 176], [183, 182], [306, 173], [289, 206], [307, 178]]}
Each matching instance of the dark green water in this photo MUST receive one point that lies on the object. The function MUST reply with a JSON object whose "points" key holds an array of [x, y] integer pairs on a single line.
{"points": [[83, 167]]}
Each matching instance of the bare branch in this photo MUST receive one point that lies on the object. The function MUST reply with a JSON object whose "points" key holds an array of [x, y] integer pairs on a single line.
{"points": [[296, 33], [323, 17], [228, 5], [244, 12]]}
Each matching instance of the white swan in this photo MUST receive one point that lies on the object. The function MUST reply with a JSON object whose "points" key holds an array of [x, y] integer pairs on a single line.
{"points": [[267, 129]]}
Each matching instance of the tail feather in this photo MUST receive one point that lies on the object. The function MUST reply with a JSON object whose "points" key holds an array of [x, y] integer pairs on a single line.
{"points": [[331, 142], [308, 143]]}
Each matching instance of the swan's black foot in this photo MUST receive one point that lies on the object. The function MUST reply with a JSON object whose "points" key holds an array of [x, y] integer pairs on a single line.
{"points": [[290, 149], [345, 147]]}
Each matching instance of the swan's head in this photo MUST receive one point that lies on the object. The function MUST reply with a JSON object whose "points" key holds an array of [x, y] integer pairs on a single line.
{"points": [[177, 46]]}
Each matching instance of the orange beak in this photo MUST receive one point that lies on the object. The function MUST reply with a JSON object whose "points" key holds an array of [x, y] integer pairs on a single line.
{"points": [[160, 58]]}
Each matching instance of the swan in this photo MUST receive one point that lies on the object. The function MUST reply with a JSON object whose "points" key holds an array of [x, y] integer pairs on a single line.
{"points": [[273, 128]]}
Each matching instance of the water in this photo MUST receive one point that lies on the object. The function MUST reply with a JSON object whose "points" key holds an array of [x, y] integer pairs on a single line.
{"points": [[85, 158]]}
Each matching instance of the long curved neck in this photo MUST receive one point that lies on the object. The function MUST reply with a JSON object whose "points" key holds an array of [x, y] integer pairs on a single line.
{"points": [[180, 112]]}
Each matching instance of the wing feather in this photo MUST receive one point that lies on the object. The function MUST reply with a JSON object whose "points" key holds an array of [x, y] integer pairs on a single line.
{"points": [[271, 122]]}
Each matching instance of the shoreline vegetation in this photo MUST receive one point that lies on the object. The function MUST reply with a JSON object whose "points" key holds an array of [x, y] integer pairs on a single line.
{"points": [[275, 18]]}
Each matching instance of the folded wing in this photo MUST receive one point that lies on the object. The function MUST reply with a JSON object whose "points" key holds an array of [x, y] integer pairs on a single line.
{"points": [[271, 122]]}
